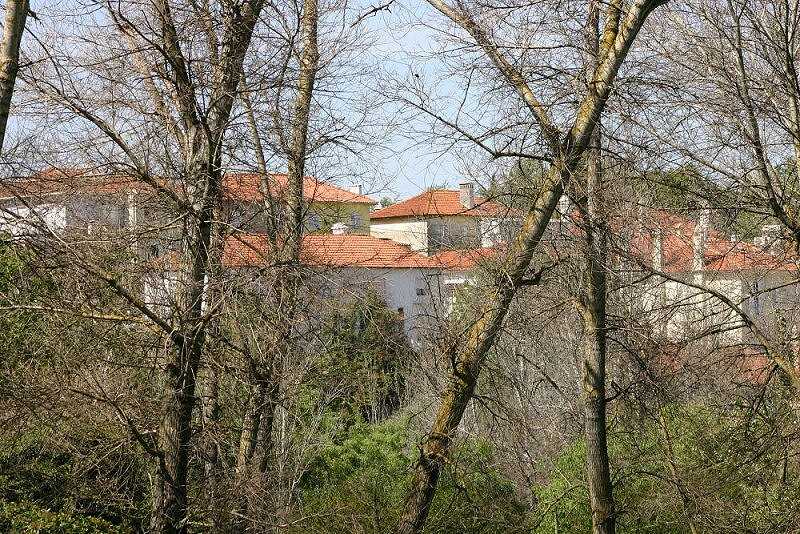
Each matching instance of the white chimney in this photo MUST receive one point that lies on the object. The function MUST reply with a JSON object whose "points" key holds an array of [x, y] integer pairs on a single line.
{"points": [[466, 194], [355, 189], [340, 229], [700, 238]]}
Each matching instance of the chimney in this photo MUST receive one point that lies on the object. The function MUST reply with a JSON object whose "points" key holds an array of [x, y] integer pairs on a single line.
{"points": [[355, 189], [340, 229], [466, 194], [700, 238]]}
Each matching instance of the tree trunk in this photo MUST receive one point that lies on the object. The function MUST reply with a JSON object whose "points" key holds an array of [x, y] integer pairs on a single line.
{"points": [[170, 503], [309, 63], [469, 358], [593, 304], [269, 373], [14, 27]]}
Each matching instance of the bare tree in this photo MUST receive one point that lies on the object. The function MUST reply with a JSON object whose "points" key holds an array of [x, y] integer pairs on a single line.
{"points": [[191, 95], [567, 149]]}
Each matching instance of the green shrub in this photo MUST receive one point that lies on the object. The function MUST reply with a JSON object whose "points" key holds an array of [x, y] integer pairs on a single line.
{"points": [[359, 484], [28, 518], [729, 464], [89, 473]]}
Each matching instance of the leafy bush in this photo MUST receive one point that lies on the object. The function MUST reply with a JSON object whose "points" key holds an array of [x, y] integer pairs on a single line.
{"points": [[359, 484], [28, 518], [729, 474], [363, 364], [89, 473]]}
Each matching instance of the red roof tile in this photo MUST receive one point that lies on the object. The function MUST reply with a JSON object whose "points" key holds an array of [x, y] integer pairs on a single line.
{"points": [[439, 202], [247, 188], [56, 181], [328, 250], [720, 254], [237, 186]]}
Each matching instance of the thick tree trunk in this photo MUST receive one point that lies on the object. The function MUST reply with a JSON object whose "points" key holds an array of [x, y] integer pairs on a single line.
{"points": [[469, 358], [619, 34], [170, 501], [593, 304], [257, 442], [14, 27], [309, 63], [171, 504]]}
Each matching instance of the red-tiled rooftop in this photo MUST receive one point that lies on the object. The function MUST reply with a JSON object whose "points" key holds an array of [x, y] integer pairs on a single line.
{"points": [[236, 186], [440, 202], [329, 250], [721, 254], [246, 187], [58, 181]]}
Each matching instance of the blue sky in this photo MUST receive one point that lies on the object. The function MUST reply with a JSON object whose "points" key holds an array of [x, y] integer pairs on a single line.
{"points": [[402, 37]]}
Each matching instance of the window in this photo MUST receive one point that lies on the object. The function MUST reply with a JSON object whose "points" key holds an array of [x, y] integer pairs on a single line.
{"points": [[355, 220]]}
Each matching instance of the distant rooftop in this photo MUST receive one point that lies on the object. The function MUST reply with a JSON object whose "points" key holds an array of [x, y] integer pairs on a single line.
{"points": [[350, 250], [441, 202], [243, 187]]}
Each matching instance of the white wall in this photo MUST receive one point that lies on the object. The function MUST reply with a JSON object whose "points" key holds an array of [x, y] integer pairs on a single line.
{"points": [[416, 292], [18, 220], [679, 312], [408, 232]]}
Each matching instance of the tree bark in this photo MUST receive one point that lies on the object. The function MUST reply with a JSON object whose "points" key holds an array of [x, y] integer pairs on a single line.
{"points": [[14, 27], [593, 305], [203, 169], [170, 506], [257, 434]]}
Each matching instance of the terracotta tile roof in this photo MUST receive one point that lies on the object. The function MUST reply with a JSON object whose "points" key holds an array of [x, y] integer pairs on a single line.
{"points": [[247, 187], [720, 254], [439, 202], [58, 181], [236, 186], [337, 251]]}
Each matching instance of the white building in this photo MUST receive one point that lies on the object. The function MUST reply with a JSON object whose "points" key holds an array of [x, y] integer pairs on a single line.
{"points": [[68, 201], [341, 267], [761, 282], [443, 219]]}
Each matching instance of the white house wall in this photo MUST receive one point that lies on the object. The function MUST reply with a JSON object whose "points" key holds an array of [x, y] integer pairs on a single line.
{"points": [[408, 232], [17, 219], [416, 293]]}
